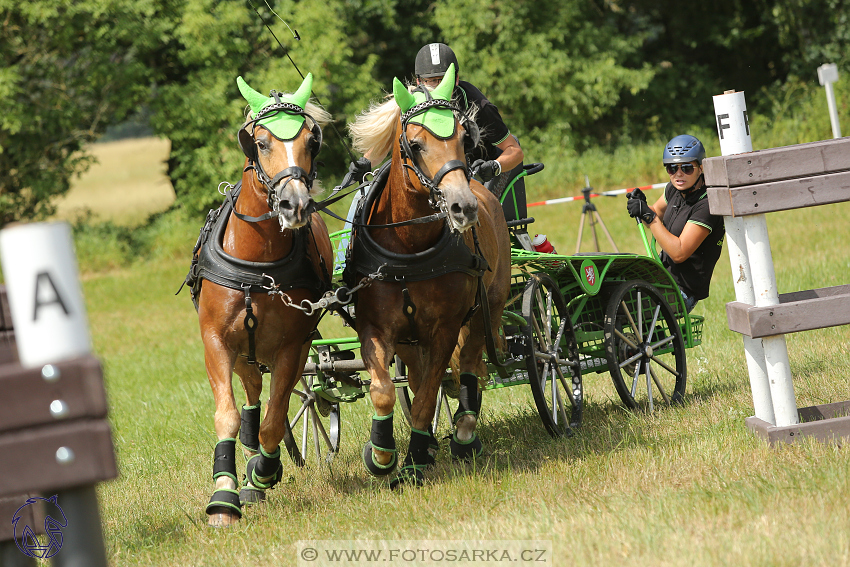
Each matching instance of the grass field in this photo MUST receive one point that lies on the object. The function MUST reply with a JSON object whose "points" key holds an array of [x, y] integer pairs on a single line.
{"points": [[687, 486]]}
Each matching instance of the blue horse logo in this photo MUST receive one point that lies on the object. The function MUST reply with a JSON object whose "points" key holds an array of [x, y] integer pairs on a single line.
{"points": [[28, 542]]}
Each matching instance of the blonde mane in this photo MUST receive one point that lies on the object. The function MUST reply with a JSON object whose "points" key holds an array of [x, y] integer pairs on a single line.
{"points": [[373, 130]]}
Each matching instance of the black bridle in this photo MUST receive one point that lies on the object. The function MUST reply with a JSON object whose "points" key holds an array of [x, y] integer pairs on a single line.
{"points": [[291, 173], [436, 198]]}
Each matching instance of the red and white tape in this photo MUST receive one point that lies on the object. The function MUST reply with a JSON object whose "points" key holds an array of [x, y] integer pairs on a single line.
{"points": [[603, 194]]}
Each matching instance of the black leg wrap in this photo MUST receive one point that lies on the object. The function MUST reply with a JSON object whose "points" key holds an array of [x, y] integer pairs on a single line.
{"points": [[264, 470], [468, 401], [381, 439], [433, 444], [249, 431], [225, 498], [466, 451], [224, 460], [416, 461]]}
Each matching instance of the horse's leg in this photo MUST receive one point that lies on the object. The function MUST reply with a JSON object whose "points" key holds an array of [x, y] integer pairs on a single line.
{"points": [[264, 469], [465, 443], [249, 430], [224, 508], [434, 361], [414, 361], [379, 453]]}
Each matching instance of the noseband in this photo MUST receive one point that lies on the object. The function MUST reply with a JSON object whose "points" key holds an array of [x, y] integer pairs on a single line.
{"points": [[292, 173]]}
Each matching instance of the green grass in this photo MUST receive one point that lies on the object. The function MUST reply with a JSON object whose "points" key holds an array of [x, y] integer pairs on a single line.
{"points": [[683, 486]]}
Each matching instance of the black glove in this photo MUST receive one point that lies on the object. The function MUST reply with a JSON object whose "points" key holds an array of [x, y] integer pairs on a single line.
{"points": [[636, 194], [487, 170], [640, 209], [357, 169]]}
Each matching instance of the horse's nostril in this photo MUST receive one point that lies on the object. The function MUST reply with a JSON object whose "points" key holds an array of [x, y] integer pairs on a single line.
{"points": [[286, 205]]}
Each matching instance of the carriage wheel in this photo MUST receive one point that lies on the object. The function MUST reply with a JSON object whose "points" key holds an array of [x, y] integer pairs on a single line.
{"points": [[644, 347], [552, 357], [405, 400], [316, 422]]}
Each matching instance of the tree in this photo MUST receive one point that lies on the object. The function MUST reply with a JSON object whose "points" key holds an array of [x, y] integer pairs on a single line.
{"points": [[68, 70], [220, 40]]}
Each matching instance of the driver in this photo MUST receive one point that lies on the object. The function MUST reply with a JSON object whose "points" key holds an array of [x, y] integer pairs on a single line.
{"points": [[499, 150], [689, 235]]}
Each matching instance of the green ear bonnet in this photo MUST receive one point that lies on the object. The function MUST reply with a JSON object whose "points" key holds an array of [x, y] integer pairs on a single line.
{"points": [[438, 119], [284, 123]]}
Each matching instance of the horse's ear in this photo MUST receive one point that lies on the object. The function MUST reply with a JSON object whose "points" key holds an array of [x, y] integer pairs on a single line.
{"points": [[302, 95], [255, 100], [403, 98], [446, 86]]}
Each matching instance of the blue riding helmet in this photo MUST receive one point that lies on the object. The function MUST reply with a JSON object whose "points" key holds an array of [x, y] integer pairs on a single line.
{"points": [[683, 149]]}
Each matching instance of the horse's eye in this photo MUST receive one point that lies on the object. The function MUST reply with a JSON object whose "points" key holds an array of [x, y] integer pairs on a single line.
{"points": [[415, 147], [262, 145]]}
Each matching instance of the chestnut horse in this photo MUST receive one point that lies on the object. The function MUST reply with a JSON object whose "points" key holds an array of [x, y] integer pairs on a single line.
{"points": [[265, 249], [435, 278]]}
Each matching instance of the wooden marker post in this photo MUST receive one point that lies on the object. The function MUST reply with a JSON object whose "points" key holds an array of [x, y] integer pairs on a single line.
{"points": [[54, 436]]}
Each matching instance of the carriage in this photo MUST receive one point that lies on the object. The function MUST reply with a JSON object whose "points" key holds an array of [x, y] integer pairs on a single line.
{"points": [[566, 316]]}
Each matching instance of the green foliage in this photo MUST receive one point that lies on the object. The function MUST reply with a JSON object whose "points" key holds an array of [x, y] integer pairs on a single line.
{"points": [[554, 68], [67, 71], [220, 40]]}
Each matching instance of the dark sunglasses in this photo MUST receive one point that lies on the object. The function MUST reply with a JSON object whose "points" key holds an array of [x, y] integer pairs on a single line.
{"points": [[687, 168]]}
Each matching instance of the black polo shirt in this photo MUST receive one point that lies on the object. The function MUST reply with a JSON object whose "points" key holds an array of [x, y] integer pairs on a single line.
{"points": [[490, 124], [694, 274]]}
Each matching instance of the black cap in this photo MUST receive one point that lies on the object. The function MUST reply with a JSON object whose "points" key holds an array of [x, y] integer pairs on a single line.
{"points": [[433, 60]]}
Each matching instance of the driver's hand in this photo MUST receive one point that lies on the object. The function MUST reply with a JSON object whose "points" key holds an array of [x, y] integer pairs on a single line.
{"points": [[640, 209], [357, 169], [636, 193], [487, 170]]}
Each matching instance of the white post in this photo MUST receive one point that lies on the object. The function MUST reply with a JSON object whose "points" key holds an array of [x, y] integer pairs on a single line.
{"points": [[743, 280], [45, 297], [828, 74], [733, 129]]}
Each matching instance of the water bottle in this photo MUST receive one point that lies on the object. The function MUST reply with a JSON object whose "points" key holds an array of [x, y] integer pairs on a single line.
{"points": [[541, 244]]}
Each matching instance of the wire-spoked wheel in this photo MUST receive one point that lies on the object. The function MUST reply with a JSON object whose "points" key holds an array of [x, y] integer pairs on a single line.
{"points": [[316, 422], [552, 357], [644, 347]]}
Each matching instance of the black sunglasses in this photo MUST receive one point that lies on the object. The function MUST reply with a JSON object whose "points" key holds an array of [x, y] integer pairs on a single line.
{"points": [[687, 168]]}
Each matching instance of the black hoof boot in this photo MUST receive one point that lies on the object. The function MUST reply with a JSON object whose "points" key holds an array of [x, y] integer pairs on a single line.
{"points": [[251, 495], [264, 470], [469, 450], [373, 466], [381, 439], [225, 498], [411, 475]]}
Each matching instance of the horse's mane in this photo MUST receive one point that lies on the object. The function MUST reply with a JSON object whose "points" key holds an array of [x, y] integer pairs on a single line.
{"points": [[373, 130]]}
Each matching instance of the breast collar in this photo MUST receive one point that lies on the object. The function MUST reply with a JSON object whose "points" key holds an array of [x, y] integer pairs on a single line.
{"points": [[211, 262], [449, 254]]}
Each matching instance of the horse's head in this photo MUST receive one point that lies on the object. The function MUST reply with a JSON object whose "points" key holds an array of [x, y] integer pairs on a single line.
{"points": [[281, 141], [433, 137]]}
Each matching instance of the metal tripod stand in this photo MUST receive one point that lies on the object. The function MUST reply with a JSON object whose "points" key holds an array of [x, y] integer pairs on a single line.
{"points": [[589, 210]]}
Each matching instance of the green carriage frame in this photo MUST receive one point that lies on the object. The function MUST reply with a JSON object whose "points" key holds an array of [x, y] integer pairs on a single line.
{"points": [[567, 316]]}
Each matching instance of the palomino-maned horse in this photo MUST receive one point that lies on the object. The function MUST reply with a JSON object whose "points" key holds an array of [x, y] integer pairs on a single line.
{"points": [[265, 248], [435, 279]]}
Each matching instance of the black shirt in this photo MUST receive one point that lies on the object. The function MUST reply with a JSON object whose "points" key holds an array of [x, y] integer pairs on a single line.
{"points": [[490, 124], [694, 274]]}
